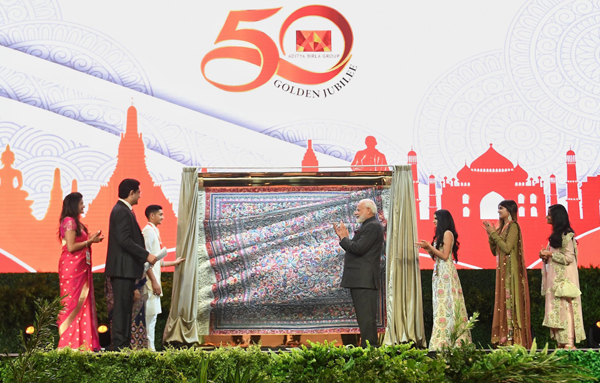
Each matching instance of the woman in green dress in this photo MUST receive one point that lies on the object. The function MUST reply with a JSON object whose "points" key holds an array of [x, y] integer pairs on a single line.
{"points": [[512, 317]]}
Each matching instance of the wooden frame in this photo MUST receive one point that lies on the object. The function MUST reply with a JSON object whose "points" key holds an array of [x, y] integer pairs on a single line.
{"points": [[254, 179]]}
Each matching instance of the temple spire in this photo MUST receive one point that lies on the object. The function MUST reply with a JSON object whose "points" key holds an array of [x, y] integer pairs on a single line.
{"points": [[132, 122]]}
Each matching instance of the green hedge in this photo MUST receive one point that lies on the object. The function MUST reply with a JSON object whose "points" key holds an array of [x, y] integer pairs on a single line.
{"points": [[479, 289], [320, 363], [18, 291]]}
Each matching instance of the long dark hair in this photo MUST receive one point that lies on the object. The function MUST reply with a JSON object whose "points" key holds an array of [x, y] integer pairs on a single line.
{"points": [[445, 223], [70, 208], [560, 225], [513, 210]]}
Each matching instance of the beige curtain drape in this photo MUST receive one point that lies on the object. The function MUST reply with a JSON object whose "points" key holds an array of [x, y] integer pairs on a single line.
{"points": [[182, 325], [403, 273]]}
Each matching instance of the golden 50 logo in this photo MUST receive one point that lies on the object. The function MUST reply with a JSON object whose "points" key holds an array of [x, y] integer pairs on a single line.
{"points": [[265, 55]]}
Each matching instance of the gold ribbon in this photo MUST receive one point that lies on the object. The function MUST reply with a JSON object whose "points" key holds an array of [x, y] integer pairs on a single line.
{"points": [[84, 294]]}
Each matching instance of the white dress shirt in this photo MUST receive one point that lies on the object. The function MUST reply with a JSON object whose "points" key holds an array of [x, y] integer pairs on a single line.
{"points": [[153, 245]]}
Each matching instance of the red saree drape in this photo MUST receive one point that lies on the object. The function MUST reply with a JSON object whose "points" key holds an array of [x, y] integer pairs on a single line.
{"points": [[77, 323]]}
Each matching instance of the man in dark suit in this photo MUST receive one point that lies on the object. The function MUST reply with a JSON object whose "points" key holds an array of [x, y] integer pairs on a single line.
{"points": [[362, 267], [125, 260]]}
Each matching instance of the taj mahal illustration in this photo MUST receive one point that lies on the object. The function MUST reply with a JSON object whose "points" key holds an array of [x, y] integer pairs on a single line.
{"points": [[491, 178]]}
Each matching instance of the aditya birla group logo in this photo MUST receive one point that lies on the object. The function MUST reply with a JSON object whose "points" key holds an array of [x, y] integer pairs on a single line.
{"points": [[300, 73], [313, 41]]}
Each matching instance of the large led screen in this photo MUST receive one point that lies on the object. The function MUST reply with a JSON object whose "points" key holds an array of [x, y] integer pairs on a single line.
{"points": [[486, 100]]}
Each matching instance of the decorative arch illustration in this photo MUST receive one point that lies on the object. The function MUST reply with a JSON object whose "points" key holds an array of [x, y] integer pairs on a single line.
{"points": [[488, 206], [534, 212]]}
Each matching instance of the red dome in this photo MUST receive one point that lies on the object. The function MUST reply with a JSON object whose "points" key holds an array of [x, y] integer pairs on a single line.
{"points": [[491, 159], [520, 173], [464, 174]]}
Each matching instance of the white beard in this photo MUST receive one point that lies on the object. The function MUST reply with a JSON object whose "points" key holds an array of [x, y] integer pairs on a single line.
{"points": [[361, 218]]}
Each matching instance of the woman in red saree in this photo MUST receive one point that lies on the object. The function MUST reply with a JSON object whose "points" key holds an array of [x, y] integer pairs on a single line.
{"points": [[77, 323]]}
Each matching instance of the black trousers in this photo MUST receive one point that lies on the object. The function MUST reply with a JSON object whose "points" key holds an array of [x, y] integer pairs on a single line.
{"points": [[352, 339], [121, 320], [365, 305]]}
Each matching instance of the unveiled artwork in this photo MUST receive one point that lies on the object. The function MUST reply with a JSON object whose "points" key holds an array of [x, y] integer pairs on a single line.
{"points": [[502, 104], [276, 261]]}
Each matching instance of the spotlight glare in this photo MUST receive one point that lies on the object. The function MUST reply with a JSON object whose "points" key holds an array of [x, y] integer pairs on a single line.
{"points": [[102, 328], [598, 324], [29, 330]]}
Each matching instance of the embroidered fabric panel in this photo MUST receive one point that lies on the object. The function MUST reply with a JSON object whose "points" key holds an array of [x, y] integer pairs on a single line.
{"points": [[277, 260]]}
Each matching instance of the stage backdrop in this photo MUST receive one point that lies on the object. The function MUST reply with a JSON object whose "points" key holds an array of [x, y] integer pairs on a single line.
{"points": [[487, 101]]}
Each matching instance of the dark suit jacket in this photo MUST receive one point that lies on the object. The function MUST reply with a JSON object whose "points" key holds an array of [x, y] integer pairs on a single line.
{"points": [[126, 250], [363, 255]]}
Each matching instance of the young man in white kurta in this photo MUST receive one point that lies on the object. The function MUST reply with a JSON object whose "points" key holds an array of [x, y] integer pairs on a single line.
{"points": [[151, 234]]}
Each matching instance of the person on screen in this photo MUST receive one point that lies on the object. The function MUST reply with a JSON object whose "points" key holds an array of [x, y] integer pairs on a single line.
{"points": [[362, 267], [11, 182], [153, 288], [447, 291], [77, 322], [369, 156], [511, 322], [125, 259], [560, 281]]}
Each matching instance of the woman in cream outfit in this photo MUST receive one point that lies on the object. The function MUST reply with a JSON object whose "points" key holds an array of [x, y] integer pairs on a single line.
{"points": [[560, 281]]}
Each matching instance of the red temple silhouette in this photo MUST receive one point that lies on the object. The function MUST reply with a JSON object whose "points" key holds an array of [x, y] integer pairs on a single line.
{"points": [[28, 244], [473, 195], [310, 159], [131, 163]]}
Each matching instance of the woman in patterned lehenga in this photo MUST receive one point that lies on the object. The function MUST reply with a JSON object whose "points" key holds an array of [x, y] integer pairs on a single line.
{"points": [[560, 281], [139, 334], [511, 322], [447, 291], [77, 323]]}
